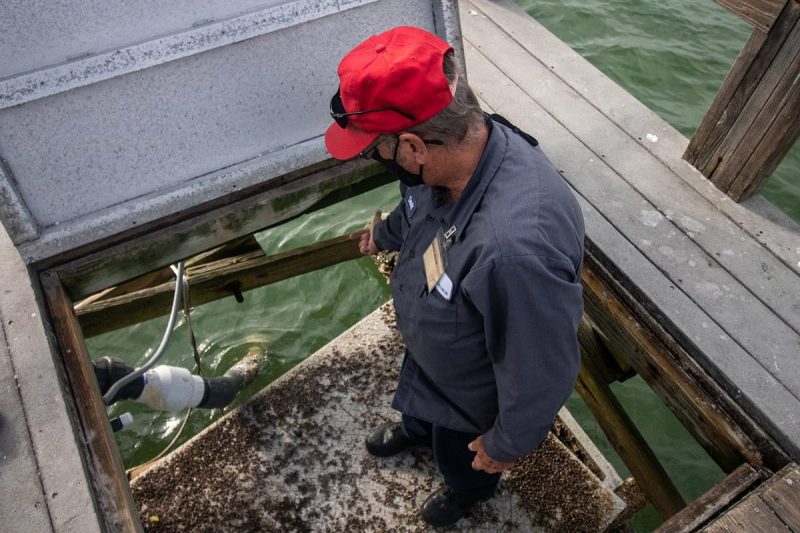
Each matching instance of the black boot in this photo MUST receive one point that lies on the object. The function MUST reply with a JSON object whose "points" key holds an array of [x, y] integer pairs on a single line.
{"points": [[445, 507], [387, 440]]}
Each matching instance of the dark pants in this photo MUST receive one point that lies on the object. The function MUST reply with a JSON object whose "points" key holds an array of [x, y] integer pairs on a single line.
{"points": [[453, 457]]}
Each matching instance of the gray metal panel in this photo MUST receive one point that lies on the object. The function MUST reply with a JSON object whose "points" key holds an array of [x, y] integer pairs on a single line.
{"points": [[94, 155], [62, 31], [116, 62]]}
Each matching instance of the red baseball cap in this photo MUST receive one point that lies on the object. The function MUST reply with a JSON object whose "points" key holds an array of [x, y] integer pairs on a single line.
{"points": [[389, 83]]}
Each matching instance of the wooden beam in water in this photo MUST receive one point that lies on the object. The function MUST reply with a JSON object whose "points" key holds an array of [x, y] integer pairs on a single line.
{"points": [[215, 280], [701, 510], [752, 123], [101, 456], [126, 256], [625, 437], [236, 247], [760, 13]]}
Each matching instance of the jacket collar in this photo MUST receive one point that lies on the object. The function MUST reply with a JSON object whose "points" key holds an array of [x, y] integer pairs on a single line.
{"points": [[494, 152]]}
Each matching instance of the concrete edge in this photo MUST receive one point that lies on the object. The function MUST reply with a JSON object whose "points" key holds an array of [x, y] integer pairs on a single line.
{"points": [[43, 400]]}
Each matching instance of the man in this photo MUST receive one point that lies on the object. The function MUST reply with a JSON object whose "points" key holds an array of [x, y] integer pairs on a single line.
{"points": [[487, 283]]}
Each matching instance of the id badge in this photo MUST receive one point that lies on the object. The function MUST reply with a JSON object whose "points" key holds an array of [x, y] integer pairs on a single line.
{"points": [[435, 260]]}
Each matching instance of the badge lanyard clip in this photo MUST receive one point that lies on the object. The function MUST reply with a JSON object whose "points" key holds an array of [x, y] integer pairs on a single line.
{"points": [[448, 235]]}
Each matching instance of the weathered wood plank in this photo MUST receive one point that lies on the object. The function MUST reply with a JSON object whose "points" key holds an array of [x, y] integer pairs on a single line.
{"points": [[215, 280], [698, 512], [783, 496], [169, 241], [760, 13], [751, 515], [776, 91], [631, 446], [110, 486], [235, 247], [661, 278], [773, 506]]}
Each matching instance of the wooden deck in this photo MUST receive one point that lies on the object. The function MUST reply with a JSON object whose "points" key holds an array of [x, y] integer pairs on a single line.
{"points": [[774, 507], [723, 279]]}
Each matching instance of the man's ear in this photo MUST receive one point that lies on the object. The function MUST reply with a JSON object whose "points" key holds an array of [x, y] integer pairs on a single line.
{"points": [[419, 150]]}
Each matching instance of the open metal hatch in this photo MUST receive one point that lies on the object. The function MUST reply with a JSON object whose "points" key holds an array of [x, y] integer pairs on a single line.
{"points": [[135, 134], [116, 116]]}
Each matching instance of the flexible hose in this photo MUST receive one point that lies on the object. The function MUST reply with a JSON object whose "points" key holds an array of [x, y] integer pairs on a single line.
{"points": [[176, 305]]}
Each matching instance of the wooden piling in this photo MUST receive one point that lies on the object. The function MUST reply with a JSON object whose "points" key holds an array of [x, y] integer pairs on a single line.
{"points": [[624, 436], [611, 367], [754, 119]]}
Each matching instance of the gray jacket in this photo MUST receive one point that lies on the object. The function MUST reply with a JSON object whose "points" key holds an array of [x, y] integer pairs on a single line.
{"points": [[493, 348]]}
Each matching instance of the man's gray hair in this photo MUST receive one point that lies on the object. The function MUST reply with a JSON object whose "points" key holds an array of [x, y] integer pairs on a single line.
{"points": [[454, 123]]}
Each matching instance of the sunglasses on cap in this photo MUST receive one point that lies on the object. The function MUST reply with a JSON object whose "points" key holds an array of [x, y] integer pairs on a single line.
{"points": [[339, 114]]}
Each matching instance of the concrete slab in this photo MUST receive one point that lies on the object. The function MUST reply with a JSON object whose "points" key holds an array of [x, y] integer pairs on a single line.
{"points": [[292, 458], [22, 504], [46, 466]]}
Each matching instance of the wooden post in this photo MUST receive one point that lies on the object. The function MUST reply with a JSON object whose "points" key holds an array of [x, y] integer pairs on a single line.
{"points": [[626, 439], [112, 494], [754, 119], [760, 13]]}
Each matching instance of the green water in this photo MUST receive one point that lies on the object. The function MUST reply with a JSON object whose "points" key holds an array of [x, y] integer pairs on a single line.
{"points": [[670, 55]]}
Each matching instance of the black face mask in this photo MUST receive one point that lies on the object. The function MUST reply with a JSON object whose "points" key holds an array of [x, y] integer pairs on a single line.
{"points": [[394, 169]]}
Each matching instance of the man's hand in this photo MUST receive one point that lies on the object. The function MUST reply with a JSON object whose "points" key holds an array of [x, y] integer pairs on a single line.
{"points": [[366, 242], [482, 460]]}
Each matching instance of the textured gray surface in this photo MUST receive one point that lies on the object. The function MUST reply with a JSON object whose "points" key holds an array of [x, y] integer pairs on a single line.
{"points": [[297, 452], [47, 446], [96, 67], [730, 294], [61, 31], [22, 502], [97, 146]]}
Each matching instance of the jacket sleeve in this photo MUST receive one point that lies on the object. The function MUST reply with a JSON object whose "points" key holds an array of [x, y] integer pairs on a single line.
{"points": [[388, 235], [531, 307]]}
